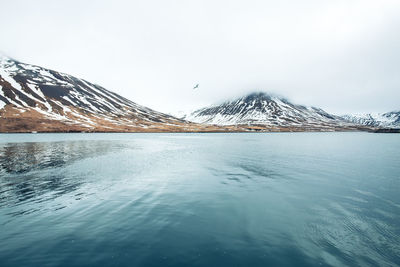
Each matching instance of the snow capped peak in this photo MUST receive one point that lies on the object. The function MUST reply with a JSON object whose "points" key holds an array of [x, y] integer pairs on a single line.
{"points": [[260, 108], [261, 95], [6, 61]]}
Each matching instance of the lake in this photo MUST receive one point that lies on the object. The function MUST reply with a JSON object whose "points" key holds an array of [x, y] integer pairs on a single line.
{"points": [[224, 199]]}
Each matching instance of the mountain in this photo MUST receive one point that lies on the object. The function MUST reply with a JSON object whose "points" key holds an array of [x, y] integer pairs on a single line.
{"points": [[33, 98], [265, 110], [384, 120]]}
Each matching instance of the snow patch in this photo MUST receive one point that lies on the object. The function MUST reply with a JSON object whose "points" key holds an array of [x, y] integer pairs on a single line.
{"points": [[8, 78]]}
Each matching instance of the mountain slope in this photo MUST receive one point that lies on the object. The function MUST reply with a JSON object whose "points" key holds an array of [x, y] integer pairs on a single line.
{"points": [[385, 120], [268, 111], [33, 98]]}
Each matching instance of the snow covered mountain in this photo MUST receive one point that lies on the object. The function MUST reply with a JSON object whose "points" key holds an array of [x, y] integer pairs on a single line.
{"points": [[385, 120], [33, 98], [266, 110]]}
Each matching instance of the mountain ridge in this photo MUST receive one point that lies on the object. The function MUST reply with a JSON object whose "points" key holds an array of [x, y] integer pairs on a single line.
{"points": [[262, 108], [36, 99]]}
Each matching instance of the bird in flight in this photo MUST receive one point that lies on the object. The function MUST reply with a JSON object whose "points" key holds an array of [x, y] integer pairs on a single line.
{"points": [[197, 86]]}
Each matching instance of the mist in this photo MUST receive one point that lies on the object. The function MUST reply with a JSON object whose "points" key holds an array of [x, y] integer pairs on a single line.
{"points": [[341, 56]]}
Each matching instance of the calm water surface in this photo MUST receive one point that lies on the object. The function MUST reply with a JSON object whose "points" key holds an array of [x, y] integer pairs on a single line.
{"points": [[289, 199]]}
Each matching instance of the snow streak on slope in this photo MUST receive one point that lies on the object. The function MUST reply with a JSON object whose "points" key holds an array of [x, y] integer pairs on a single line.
{"points": [[58, 96], [264, 109]]}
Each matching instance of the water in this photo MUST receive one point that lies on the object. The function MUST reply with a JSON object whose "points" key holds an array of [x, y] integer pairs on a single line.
{"points": [[289, 199]]}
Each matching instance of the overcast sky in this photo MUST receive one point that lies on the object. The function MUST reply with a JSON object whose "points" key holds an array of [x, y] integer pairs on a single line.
{"points": [[340, 55]]}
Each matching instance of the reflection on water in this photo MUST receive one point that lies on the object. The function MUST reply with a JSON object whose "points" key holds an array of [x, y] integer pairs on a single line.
{"points": [[200, 200], [26, 157], [34, 170]]}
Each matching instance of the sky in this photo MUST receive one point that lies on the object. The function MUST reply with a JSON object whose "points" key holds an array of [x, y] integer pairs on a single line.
{"points": [[339, 55]]}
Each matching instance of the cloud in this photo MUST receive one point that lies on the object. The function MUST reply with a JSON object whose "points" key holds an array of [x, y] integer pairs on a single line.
{"points": [[338, 55]]}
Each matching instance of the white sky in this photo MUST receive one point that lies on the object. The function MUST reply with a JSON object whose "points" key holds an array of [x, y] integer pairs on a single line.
{"points": [[340, 55]]}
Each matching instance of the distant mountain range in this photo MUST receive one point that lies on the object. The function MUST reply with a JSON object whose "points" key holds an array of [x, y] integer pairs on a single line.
{"points": [[385, 120], [33, 98]]}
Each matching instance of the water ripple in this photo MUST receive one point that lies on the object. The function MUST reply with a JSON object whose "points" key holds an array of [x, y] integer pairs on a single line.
{"points": [[200, 200]]}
